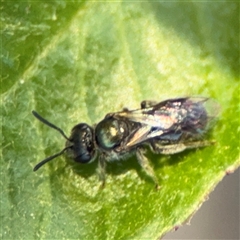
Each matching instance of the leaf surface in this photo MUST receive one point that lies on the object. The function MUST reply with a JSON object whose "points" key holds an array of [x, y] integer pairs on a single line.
{"points": [[77, 61]]}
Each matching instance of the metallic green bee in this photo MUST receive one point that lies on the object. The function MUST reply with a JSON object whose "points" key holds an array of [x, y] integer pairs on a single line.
{"points": [[167, 127]]}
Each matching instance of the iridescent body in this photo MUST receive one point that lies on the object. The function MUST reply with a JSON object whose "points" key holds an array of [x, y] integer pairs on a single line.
{"points": [[167, 127]]}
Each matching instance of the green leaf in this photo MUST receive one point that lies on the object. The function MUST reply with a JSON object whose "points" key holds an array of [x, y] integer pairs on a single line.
{"points": [[77, 61]]}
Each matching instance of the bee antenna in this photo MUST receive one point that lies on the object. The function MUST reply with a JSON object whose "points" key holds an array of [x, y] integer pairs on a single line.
{"points": [[40, 164], [43, 120]]}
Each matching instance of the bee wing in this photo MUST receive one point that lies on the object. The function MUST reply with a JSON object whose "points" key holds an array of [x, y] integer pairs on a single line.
{"points": [[154, 122], [192, 116], [173, 111], [157, 118], [152, 125], [142, 134]]}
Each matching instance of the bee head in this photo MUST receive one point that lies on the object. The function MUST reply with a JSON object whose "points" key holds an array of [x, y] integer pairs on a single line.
{"points": [[79, 145]]}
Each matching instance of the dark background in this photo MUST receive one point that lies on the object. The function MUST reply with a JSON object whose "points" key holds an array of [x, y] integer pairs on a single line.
{"points": [[218, 217]]}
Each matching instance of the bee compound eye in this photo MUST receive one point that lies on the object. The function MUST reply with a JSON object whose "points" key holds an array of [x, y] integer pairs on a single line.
{"points": [[110, 132], [81, 139], [84, 157]]}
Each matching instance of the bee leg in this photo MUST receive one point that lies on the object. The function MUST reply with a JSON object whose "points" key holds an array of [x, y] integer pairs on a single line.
{"points": [[147, 103], [143, 161], [101, 170], [178, 147]]}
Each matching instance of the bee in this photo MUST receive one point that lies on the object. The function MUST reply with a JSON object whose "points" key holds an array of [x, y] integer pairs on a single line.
{"points": [[167, 127]]}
